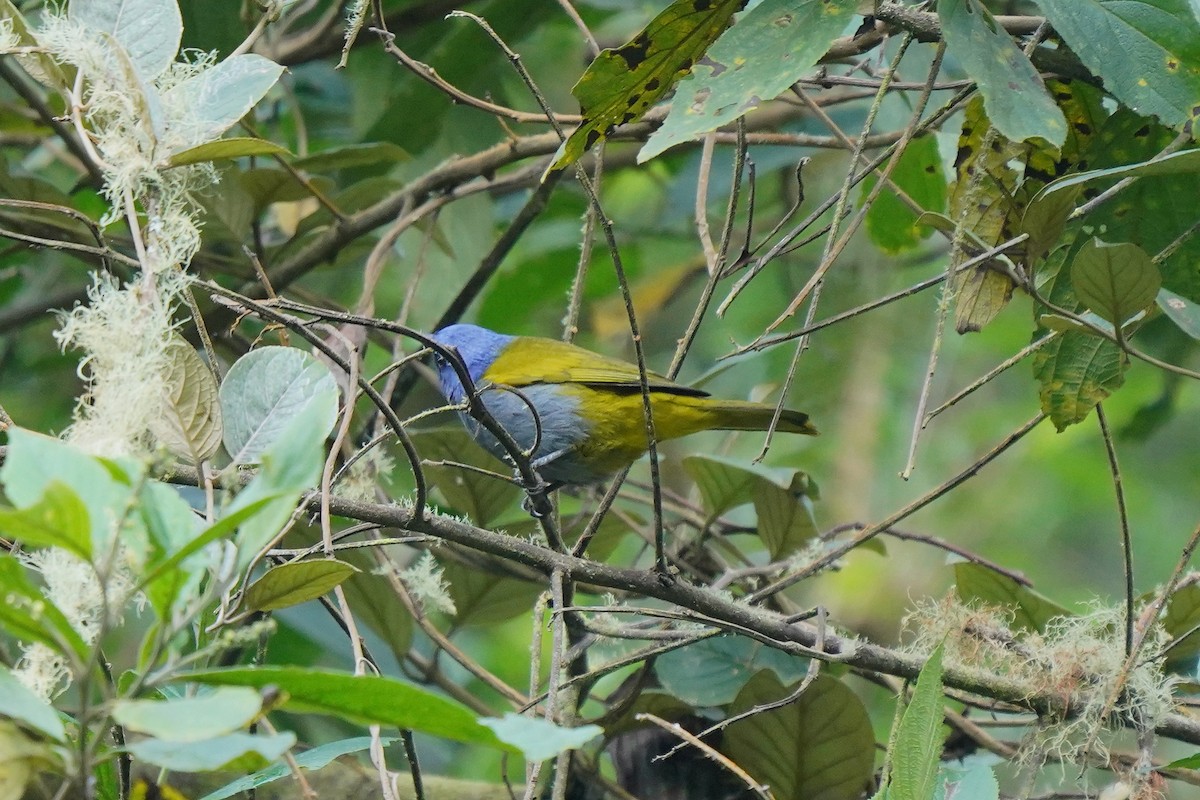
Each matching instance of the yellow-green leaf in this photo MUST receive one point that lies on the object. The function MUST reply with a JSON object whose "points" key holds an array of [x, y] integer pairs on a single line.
{"points": [[224, 150], [624, 82], [297, 582]]}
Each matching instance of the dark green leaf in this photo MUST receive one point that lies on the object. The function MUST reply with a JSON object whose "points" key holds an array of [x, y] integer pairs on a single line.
{"points": [[820, 746], [296, 583], [482, 498], [482, 598], [313, 759], [623, 83], [1076, 371], [1031, 610], [381, 154]]}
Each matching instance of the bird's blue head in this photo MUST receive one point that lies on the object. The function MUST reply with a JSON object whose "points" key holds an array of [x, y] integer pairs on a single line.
{"points": [[478, 348]]}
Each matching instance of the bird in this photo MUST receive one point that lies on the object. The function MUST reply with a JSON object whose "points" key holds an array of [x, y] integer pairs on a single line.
{"points": [[590, 414]]}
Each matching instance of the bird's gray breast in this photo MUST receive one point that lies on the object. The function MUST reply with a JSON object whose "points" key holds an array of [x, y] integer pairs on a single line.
{"points": [[558, 430]]}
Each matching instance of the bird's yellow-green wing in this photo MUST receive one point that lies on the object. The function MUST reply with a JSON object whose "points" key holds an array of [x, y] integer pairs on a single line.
{"points": [[530, 359]]}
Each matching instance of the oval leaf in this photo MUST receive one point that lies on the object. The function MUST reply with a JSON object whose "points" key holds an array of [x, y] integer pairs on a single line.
{"points": [[296, 583], [974, 582], [1183, 312], [820, 746], [21, 705], [265, 390], [539, 739], [148, 30], [712, 671], [190, 427], [220, 96], [1115, 280], [225, 150]]}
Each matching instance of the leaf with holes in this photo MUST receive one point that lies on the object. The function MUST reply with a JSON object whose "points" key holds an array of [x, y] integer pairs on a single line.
{"points": [[623, 83]]}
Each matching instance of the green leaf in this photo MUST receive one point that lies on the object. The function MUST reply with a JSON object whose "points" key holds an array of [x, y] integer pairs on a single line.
{"points": [[190, 426], [1146, 52], [785, 516], [58, 519], [1183, 614], [23, 706], [233, 752], [712, 671], [919, 736], [34, 461], [1185, 162], [1187, 762], [1013, 93], [313, 759], [373, 601], [623, 83], [539, 739], [484, 598], [265, 390], [148, 30], [722, 485], [367, 154], [1183, 312], [29, 615], [1076, 371], [220, 711], [296, 583], [820, 746], [1044, 220], [1114, 280], [225, 150], [771, 47], [1032, 610], [481, 498], [220, 96], [362, 699], [892, 225]]}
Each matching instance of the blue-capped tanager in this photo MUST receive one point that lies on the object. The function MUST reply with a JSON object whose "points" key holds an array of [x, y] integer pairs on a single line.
{"points": [[589, 407]]}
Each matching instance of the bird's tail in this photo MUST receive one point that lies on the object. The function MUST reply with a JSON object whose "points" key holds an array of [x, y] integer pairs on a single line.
{"points": [[733, 415]]}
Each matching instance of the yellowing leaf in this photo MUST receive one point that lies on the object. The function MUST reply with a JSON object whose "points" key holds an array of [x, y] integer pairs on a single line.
{"points": [[624, 82]]}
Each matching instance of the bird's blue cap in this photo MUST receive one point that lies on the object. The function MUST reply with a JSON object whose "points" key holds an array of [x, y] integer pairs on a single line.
{"points": [[477, 346]]}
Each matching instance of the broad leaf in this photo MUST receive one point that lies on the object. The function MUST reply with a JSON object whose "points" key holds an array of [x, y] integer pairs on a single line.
{"points": [[313, 759], [820, 746], [235, 752], [537, 738], [225, 150], [215, 713], [218, 97], [1013, 92], [1147, 52], [148, 30], [893, 226], [712, 671], [770, 48], [1114, 280], [1031, 610], [623, 83], [190, 426], [23, 706], [1075, 372], [265, 390]]}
